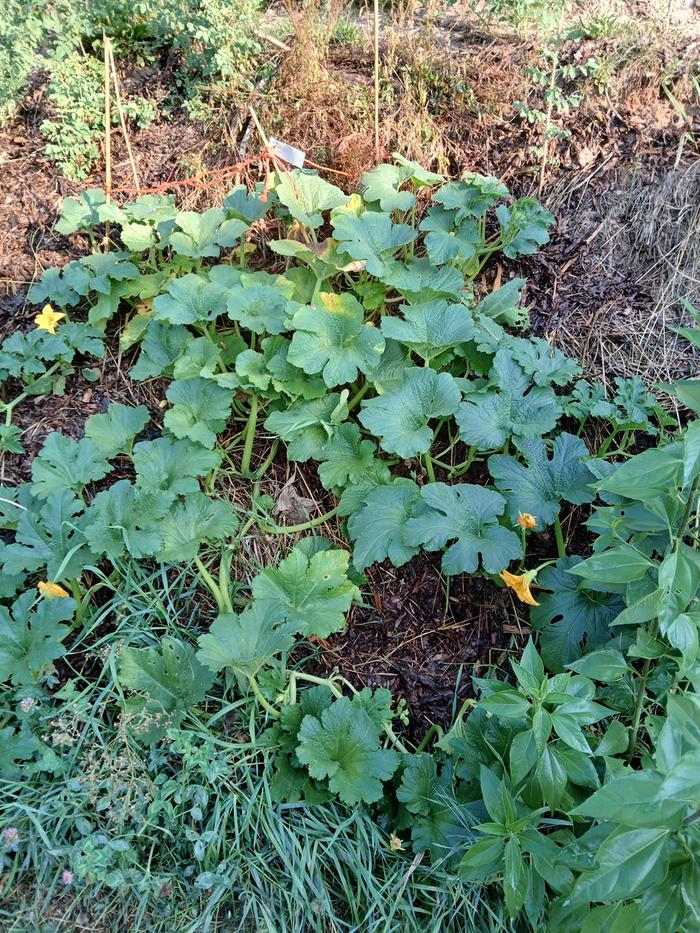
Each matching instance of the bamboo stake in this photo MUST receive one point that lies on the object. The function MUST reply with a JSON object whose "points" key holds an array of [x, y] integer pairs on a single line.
{"points": [[376, 80], [108, 132], [122, 120], [261, 131]]}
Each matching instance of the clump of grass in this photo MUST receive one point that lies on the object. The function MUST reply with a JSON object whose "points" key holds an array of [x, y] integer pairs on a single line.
{"points": [[185, 836]]}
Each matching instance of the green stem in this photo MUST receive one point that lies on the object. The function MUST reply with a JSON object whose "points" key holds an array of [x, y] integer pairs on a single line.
{"points": [[225, 580], [686, 515], [641, 693], [559, 535], [523, 536], [249, 435], [265, 465], [305, 526], [463, 467], [261, 699], [433, 730], [604, 447], [428, 460], [78, 597], [321, 681], [358, 396], [211, 585], [9, 407]]}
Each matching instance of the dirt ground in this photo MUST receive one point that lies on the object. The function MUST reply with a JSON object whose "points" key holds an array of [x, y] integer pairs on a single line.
{"points": [[625, 190]]}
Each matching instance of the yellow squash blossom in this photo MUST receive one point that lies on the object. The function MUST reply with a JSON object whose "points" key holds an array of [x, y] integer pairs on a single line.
{"points": [[520, 584], [525, 520], [395, 843], [48, 319], [51, 589]]}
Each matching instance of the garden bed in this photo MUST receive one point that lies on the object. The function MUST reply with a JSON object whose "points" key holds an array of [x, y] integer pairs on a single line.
{"points": [[247, 551]]}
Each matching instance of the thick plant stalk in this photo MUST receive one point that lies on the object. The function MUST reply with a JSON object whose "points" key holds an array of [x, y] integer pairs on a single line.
{"points": [[249, 436]]}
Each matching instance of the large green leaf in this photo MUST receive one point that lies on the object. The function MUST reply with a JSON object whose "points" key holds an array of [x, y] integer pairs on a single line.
{"points": [[107, 268], [382, 185], [113, 432], [313, 593], [307, 426], [172, 465], [345, 457], [647, 475], [51, 538], [190, 300], [126, 519], [343, 746], [419, 279], [509, 407], [246, 205], [470, 514], [415, 173], [430, 327], [62, 287], [524, 227], [200, 410], [633, 800], [193, 521], [471, 197], [246, 642], [628, 863], [400, 418], [31, 636], [307, 196], [546, 364], [202, 357], [162, 344], [377, 527], [446, 238], [260, 305], [502, 305], [202, 235], [571, 614], [321, 258], [538, 487], [81, 213], [271, 372], [353, 497], [172, 679], [65, 464], [372, 238], [334, 340]]}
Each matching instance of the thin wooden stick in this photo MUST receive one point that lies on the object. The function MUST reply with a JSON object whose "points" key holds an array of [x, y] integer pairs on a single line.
{"points": [[261, 131], [268, 38], [376, 80], [108, 132], [122, 120]]}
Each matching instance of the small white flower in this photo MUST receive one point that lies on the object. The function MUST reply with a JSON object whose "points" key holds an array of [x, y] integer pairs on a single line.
{"points": [[10, 835]]}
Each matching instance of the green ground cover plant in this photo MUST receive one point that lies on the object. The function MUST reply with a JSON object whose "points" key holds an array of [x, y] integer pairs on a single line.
{"points": [[212, 44], [159, 730]]}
